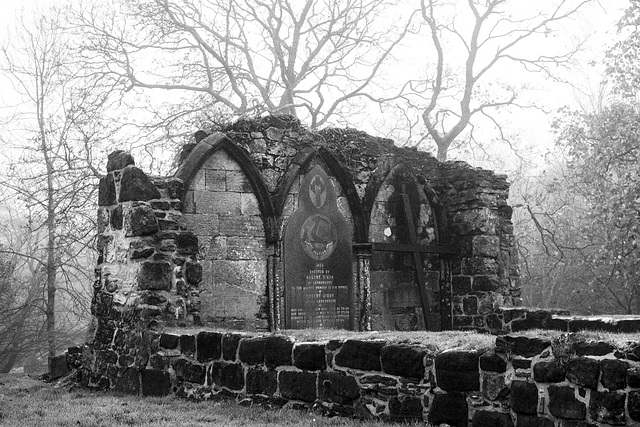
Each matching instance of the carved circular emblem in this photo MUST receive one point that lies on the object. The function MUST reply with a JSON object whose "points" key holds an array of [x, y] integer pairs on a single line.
{"points": [[317, 191], [319, 237]]}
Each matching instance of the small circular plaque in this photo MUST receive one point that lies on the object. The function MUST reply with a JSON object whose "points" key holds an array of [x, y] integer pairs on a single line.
{"points": [[318, 236]]}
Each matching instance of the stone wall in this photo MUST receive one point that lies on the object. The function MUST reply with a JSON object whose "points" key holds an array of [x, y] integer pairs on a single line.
{"points": [[563, 381]]}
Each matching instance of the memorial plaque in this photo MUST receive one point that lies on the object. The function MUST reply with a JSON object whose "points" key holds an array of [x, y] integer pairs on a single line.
{"points": [[317, 258]]}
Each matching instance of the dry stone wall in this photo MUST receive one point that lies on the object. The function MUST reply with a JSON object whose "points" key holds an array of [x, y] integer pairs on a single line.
{"points": [[525, 381]]}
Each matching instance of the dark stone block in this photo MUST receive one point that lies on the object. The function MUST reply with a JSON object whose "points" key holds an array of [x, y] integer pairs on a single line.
{"points": [[230, 375], [491, 419], [461, 285], [277, 351], [128, 382], [187, 243], [158, 361], [104, 332], [155, 276], [450, 408], [118, 159], [136, 185], [521, 346], [116, 218], [155, 383], [188, 345], [614, 374], [252, 350], [194, 272], [364, 355], [169, 341], [230, 344], [583, 371], [261, 382], [532, 421], [485, 283], [563, 403], [141, 221], [633, 377], [337, 388], [549, 372], [633, 405], [189, 371], [458, 371], [405, 408], [494, 323], [107, 191], [209, 346], [593, 348], [533, 320], [175, 188], [309, 356], [298, 385], [607, 407], [491, 362], [58, 367], [524, 397], [403, 360], [470, 305]]}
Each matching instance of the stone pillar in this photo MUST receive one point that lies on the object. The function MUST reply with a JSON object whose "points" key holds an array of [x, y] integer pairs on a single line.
{"points": [[363, 254]]}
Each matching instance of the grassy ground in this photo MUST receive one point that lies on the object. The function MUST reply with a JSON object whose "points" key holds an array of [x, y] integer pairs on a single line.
{"points": [[25, 401]]}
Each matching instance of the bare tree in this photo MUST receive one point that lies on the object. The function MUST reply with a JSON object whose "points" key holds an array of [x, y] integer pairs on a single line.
{"points": [[315, 59], [489, 35], [51, 130]]}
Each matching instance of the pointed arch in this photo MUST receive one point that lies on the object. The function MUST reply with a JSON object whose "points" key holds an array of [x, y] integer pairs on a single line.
{"points": [[218, 141]]}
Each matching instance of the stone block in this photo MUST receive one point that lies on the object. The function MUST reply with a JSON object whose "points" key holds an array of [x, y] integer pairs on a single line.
{"points": [[230, 343], [524, 397], [486, 246], [563, 403], [221, 160], [364, 355], [119, 159], [135, 185], [583, 371], [483, 266], [238, 182], [226, 374], [189, 371], [403, 360], [209, 346], [128, 382], [241, 225], [298, 385], [492, 362], [188, 345], [245, 248], [593, 348], [458, 371], [252, 350], [215, 180], [155, 382], [493, 386], [261, 382], [533, 421], [140, 220], [405, 408], [614, 374], [202, 224], [337, 388], [187, 243], [450, 408], [58, 367], [521, 346], [485, 283], [461, 285], [491, 419], [633, 405], [633, 377], [249, 204], [277, 351], [107, 191], [217, 203], [169, 341], [549, 372], [470, 305], [154, 276], [193, 272], [607, 407], [309, 356]]}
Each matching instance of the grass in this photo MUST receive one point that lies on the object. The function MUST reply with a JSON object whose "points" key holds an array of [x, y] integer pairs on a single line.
{"points": [[25, 401]]}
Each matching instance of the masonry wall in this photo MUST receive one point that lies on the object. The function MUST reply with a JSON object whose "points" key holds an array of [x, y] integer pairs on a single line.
{"points": [[522, 381]]}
